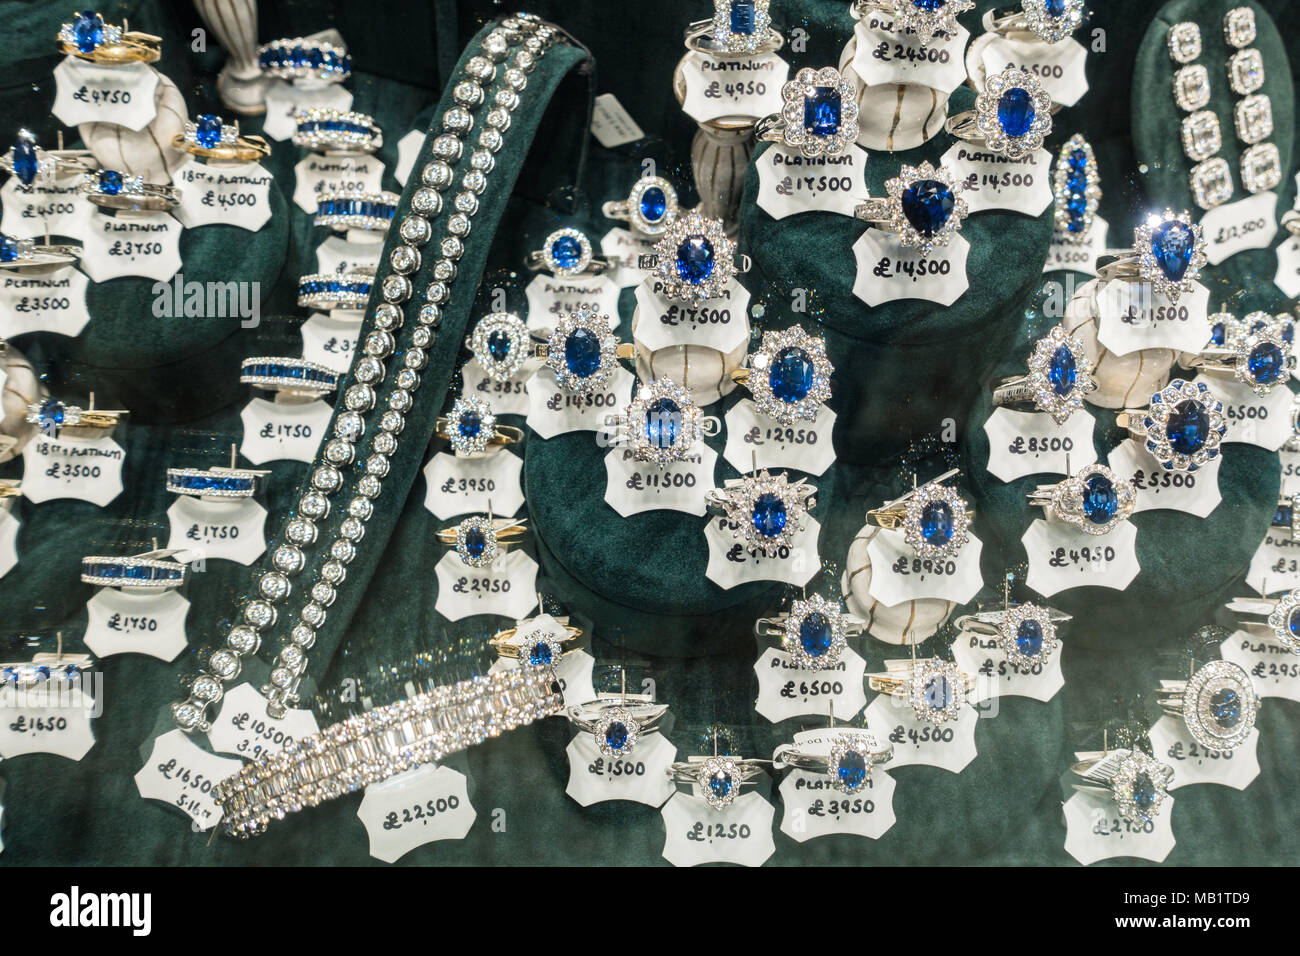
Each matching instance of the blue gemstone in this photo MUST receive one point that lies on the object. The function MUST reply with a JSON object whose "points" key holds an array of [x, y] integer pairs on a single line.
{"points": [[1288, 331], [207, 131], [540, 654], [1293, 622], [110, 182], [929, 4], [815, 634], [936, 523], [41, 673], [1217, 333], [616, 736], [937, 692], [821, 111], [71, 672], [1077, 207], [742, 16], [1015, 112], [1265, 363], [1076, 181], [695, 259], [654, 203], [720, 784], [1172, 244], [498, 345], [24, 159], [1225, 707], [769, 515], [51, 413], [1062, 371], [1055, 8], [791, 375], [1144, 791], [852, 770], [9, 675], [1100, 500], [1282, 517], [582, 353], [470, 424], [567, 252], [1029, 638], [475, 542], [315, 58], [1188, 426], [88, 31], [663, 422], [927, 204], [8, 249]]}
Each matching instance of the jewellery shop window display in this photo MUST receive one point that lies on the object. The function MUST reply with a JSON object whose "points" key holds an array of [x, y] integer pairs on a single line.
{"points": [[884, 449]]}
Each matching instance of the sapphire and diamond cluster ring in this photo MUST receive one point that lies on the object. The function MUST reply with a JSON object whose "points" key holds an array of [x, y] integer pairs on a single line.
{"points": [[814, 632], [1050, 20], [923, 207], [739, 28], [717, 779], [89, 38], [1012, 115], [1261, 359], [1283, 618], [789, 375], [934, 518], [617, 722], [1076, 189], [537, 647], [567, 252], [662, 424], [1059, 376], [935, 689], [926, 19], [694, 259], [500, 344], [819, 115], [766, 510], [1094, 500], [471, 428], [1025, 633], [112, 189], [1168, 252], [1217, 704], [1138, 783], [480, 539], [583, 351], [848, 763], [208, 137], [649, 208], [1183, 427]]}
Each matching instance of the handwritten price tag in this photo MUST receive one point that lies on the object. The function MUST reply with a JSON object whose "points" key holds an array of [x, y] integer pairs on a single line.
{"points": [[813, 808], [55, 208], [64, 468], [720, 323], [804, 446], [1273, 669], [1031, 443], [1290, 472], [408, 151], [1061, 557], [949, 746], [331, 338], [49, 719], [55, 302], [1058, 67], [1094, 831], [508, 586], [278, 432], [243, 728], [789, 183], [460, 486], [641, 776], [506, 398], [997, 677], [553, 411], [283, 99], [995, 182], [888, 272], [1194, 492], [626, 245], [424, 805], [632, 487], [786, 690], [1078, 256], [224, 195], [316, 174], [182, 774], [885, 57], [898, 575], [1245, 224], [695, 833], [549, 297], [1262, 420], [731, 562], [1288, 265], [337, 254], [229, 530], [744, 87], [1132, 317], [1276, 562], [118, 246], [132, 622], [1192, 763], [9, 527], [91, 93]]}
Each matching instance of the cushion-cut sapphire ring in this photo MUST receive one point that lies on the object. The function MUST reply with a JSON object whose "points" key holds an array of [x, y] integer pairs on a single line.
{"points": [[471, 428], [209, 138], [1168, 252], [1076, 188], [935, 519], [1060, 374], [662, 424], [1137, 781], [214, 482], [301, 59], [1012, 115], [765, 510], [538, 647], [336, 131], [923, 206], [924, 18], [568, 252], [1183, 427], [936, 689], [88, 37], [1094, 500], [153, 571], [819, 114], [1283, 624], [501, 344], [1050, 20], [21, 255], [717, 779], [289, 376], [739, 28], [814, 632], [847, 763], [1025, 633], [582, 351], [789, 375], [617, 722], [649, 207], [346, 209], [1261, 360], [694, 259], [481, 539], [30, 163], [336, 290], [112, 189], [56, 418], [1217, 704]]}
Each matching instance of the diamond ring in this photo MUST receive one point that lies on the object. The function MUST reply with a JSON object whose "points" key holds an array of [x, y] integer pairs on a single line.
{"points": [[662, 424], [739, 28], [567, 252], [30, 163], [765, 510], [1012, 115], [346, 209], [814, 632], [471, 428], [20, 255], [923, 207], [88, 37], [327, 291], [583, 351], [717, 779], [536, 647], [151, 571], [935, 519], [694, 259], [209, 138], [42, 669], [924, 18], [56, 418], [1217, 705], [848, 762], [481, 539], [1095, 500], [1283, 613], [1183, 428], [1137, 781], [336, 131], [789, 376], [289, 376], [1025, 633], [300, 59], [935, 689], [111, 189], [214, 482], [649, 207], [1050, 20], [1260, 359], [1076, 188], [1060, 374], [617, 722], [819, 115], [1168, 252], [500, 343]]}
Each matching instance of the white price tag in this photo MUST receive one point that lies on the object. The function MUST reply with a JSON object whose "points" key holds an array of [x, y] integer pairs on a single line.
{"points": [[1031, 443], [147, 246], [1263, 420], [732, 562], [789, 183], [1058, 67], [224, 195], [230, 529], [720, 323], [424, 805], [1290, 472], [786, 690], [695, 833], [279, 432], [887, 271], [1245, 224], [316, 174], [1131, 316], [994, 181], [181, 773], [1195, 492], [885, 57], [337, 254], [1274, 670], [122, 95], [995, 676], [330, 338], [550, 296], [813, 808], [553, 411], [507, 586], [641, 776], [805, 446], [1276, 562], [1288, 263], [898, 575], [506, 398], [948, 746], [1062, 557], [408, 151], [64, 468], [1094, 831], [243, 728], [1192, 763], [627, 246], [462, 486], [750, 86], [54, 208], [51, 719], [632, 486], [283, 99], [55, 302], [136, 622], [9, 527], [1078, 256], [612, 124]]}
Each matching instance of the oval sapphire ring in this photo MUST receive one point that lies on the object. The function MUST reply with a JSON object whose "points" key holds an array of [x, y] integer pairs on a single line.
{"points": [[481, 539], [300, 59], [22, 255], [649, 207], [210, 138], [766, 510], [662, 424], [923, 207], [739, 28], [582, 351], [1183, 427], [471, 428], [326, 291], [717, 779], [819, 116], [924, 18], [501, 344], [1094, 501], [336, 131], [29, 162], [617, 722], [934, 519], [814, 632], [1050, 20], [288, 376], [1012, 115], [1060, 374], [1261, 360], [346, 209], [694, 259], [567, 252], [1168, 252], [88, 37], [537, 648], [789, 376], [847, 764], [115, 190], [1026, 633], [1218, 704], [936, 689], [1137, 781], [1283, 624]]}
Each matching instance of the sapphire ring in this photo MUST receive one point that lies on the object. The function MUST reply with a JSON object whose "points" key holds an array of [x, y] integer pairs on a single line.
{"points": [[739, 28], [718, 779], [847, 764], [151, 571], [536, 648], [1217, 704], [346, 209], [765, 510], [293, 377], [56, 418], [43, 669], [617, 722], [1168, 252], [1012, 115], [214, 482], [935, 520], [210, 138], [302, 59], [1137, 781], [471, 428], [30, 163], [694, 259], [582, 351], [789, 376], [481, 539], [1095, 500], [88, 37], [21, 255], [924, 18], [1060, 374], [1283, 624], [662, 424], [935, 689], [1026, 633], [1076, 189], [649, 207], [116, 190], [567, 252], [336, 131], [336, 290], [1261, 360], [814, 632], [819, 114], [923, 207], [501, 344], [1183, 427], [1050, 20]]}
